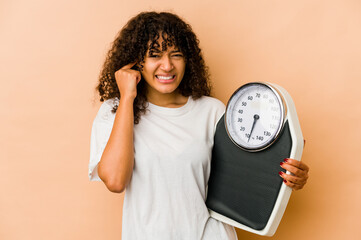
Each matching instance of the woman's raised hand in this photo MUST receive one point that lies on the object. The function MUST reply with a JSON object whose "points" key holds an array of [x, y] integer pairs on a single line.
{"points": [[127, 80]]}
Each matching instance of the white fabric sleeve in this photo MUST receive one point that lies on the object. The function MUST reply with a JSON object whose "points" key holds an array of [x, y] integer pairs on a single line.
{"points": [[221, 108], [101, 129]]}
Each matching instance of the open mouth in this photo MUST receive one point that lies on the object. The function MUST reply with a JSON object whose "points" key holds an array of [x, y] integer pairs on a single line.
{"points": [[168, 78]]}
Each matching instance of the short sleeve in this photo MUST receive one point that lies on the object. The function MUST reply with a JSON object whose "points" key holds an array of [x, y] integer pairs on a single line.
{"points": [[101, 129], [220, 109], [219, 112]]}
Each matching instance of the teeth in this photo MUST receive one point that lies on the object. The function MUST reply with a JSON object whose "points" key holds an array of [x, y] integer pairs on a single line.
{"points": [[164, 77]]}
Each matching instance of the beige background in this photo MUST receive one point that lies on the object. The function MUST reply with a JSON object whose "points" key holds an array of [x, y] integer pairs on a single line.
{"points": [[50, 57]]}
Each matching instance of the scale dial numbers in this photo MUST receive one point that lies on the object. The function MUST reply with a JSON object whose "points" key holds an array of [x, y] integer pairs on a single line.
{"points": [[255, 116]]}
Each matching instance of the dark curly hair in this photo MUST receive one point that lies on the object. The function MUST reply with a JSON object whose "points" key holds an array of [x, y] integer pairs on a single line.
{"points": [[141, 34]]}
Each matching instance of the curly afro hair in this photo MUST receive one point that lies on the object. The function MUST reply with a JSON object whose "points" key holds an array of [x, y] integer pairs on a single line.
{"points": [[141, 34]]}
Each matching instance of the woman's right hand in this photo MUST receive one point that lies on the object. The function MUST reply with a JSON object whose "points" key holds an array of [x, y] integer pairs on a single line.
{"points": [[127, 80]]}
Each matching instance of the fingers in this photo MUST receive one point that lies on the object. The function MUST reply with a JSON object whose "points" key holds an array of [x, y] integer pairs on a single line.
{"points": [[299, 173], [129, 66], [127, 73], [292, 179], [132, 72], [127, 80], [295, 163], [292, 185], [293, 182]]}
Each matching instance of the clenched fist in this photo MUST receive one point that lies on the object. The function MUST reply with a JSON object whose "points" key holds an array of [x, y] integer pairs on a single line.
{"points": [[127, 80]]}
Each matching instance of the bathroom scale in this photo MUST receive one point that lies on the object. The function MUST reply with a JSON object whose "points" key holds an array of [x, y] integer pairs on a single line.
{"points": [[258, 130]]}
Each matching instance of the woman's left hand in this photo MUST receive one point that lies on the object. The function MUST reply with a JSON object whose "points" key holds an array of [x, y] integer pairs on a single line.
{"points": [[299, 170]]}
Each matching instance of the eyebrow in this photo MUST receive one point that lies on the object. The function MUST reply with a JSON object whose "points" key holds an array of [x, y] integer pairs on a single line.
{"points": [[154, 50], [157, 50]]}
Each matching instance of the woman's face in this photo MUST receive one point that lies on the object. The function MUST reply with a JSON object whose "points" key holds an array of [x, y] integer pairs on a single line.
{"points": [[163, 70]]}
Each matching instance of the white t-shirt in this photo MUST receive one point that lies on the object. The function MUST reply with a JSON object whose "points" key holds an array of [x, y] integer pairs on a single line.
{"points": [[165, 198]]}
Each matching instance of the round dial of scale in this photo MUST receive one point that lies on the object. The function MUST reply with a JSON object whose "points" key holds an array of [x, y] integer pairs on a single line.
{"points": [[255, 116]]}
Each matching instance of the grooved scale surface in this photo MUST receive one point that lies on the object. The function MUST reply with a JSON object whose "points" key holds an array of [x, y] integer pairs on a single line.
{"points": [[244, 186]]}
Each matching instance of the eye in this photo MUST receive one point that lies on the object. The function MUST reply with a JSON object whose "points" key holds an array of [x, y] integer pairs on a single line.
{"points": [[154, 55], [179, 55]]}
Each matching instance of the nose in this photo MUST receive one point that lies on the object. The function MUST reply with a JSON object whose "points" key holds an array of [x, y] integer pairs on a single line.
{"points": [[166, 64]]}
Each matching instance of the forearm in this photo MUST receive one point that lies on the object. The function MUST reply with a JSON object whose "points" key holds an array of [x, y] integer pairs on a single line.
{"points": [[116, 165]]}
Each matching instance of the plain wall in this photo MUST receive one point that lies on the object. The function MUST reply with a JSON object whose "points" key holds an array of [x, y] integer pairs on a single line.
{"points": [[51, 53]]}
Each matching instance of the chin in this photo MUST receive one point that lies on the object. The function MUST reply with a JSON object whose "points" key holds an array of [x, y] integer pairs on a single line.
{"points": [[166, 88]]}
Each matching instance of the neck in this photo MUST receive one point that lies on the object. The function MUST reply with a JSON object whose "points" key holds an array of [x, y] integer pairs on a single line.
{"points": [[171, 100]]}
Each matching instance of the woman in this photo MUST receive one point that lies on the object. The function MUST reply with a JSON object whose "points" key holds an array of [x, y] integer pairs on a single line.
{"points": [[153, 134]]}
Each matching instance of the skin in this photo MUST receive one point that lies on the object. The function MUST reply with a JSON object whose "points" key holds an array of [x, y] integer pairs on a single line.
{"points": [[299, 173], [116, 165], [157, 69]]}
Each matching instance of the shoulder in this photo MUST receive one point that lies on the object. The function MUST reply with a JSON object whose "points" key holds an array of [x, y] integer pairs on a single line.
{"points": [[210, 102], [209, 110], [105, 111], [209, 107]]}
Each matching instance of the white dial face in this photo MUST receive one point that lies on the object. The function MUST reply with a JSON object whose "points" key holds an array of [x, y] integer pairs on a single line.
{"points": [[254, 116]]}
